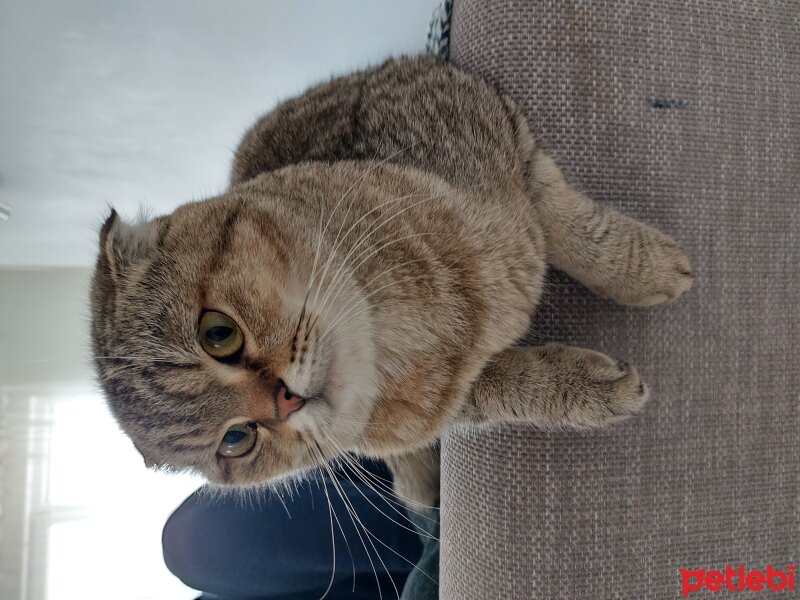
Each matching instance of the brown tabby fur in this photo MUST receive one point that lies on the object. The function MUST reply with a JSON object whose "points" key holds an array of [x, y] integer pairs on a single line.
{"points": [[383, 245]]}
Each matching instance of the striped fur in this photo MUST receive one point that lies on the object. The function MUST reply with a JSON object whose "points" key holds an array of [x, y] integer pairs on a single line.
{"points": [[383, 246]]}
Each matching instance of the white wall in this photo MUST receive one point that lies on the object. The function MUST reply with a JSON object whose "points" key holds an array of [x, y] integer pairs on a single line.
{"points": [[44, 327], [114, 101]]}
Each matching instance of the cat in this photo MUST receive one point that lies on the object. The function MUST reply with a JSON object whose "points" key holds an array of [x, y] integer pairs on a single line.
{"points": [[364, 283]]}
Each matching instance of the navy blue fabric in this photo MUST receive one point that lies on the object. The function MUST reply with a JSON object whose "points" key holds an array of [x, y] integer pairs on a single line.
{"points": [[423, 582], [258, 549]]}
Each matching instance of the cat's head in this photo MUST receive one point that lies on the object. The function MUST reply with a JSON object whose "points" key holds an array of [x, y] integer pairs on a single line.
{"points": [[219, 351]]}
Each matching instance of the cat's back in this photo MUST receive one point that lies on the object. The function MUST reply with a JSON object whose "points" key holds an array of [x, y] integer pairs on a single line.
{"points": [[418, 112]]}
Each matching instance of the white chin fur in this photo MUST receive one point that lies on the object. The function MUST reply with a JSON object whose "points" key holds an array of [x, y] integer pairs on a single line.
{"points": [[352, 386]]}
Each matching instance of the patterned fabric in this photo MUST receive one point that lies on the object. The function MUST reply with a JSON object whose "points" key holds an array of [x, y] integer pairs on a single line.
{"points": [[684, 115], [438, 42]]}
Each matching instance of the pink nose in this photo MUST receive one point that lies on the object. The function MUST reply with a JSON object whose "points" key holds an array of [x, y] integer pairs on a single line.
{"points": [[287, 403]]}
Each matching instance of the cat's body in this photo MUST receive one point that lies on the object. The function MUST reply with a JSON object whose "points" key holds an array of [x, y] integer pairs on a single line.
{"points": [[382, 247]]}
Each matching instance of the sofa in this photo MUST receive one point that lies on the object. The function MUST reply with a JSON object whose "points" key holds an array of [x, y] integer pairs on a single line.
{"points": [[685, 115]]}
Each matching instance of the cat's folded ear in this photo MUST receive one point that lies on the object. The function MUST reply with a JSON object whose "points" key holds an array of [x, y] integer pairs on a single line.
{"points": [[123, 245]]}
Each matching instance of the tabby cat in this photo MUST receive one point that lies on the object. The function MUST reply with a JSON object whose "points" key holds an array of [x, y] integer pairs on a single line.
{"points": [[362, 283]]}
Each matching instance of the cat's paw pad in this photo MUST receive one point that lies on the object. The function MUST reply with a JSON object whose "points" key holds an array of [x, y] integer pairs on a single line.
{"points": [[615, 392], [625, 395]]}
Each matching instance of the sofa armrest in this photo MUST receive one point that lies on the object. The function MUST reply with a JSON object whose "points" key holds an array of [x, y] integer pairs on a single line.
{"points": [[683, 115]]}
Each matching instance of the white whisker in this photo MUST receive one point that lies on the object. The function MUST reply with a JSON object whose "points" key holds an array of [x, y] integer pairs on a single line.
{"points": [[339, 242], [384, 485], [422, 534], [333, 542], [375, 228], [347, 192], [355, 520], [364, 299]]}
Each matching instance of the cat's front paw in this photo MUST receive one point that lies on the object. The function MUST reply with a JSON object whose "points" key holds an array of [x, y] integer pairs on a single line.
{"points": [[648, 268], [657, 271], [621, 395], [666, 277], [612, 390]]}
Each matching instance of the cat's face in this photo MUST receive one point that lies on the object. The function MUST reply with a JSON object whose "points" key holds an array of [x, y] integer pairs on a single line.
{"points": [[217, 349]]}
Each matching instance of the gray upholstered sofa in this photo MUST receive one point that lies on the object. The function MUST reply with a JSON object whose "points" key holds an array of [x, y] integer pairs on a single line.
{"points": [[685, 115]]}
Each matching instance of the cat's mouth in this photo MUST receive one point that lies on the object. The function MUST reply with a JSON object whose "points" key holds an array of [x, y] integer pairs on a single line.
{"points": [[287, 402]]}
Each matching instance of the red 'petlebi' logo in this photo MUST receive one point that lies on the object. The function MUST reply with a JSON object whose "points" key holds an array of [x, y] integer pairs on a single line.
{"points": [[738, 580]]}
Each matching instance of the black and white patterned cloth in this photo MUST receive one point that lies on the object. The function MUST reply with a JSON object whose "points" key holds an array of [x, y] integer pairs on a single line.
{"points": [[439, 33]]}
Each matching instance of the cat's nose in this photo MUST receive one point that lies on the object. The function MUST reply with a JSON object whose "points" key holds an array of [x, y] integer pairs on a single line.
{"points": [[287, 402]]}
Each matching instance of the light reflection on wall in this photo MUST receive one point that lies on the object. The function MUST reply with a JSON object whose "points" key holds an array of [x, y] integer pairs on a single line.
{"points": [[80, 516], [93, 513]]}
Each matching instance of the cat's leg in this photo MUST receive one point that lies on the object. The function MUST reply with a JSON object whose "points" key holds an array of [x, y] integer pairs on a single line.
{"points": [[416, 477], [555, 386], [613, 255]]}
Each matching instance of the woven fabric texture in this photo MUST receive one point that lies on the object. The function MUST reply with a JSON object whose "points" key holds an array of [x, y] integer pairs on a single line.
{"points": [[685, 115]]}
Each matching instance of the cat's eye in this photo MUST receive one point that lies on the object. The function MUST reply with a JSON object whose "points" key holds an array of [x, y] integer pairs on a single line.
{"points": [[238, 440], [220, 336]]}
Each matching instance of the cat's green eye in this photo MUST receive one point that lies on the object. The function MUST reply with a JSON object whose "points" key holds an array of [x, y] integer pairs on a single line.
{"points": [[238, 440], [220, 336]]}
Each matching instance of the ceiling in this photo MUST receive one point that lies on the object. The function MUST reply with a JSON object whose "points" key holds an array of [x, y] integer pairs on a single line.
{"points": [[141, 104]]}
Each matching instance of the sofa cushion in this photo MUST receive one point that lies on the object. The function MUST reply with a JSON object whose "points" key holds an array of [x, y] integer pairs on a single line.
{"points": [[683, 115]]}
